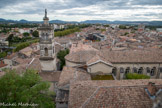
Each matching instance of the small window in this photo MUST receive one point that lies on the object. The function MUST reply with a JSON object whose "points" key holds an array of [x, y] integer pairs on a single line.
{"points": [[153, 71], [127, 70], [121, 70], [135, 70], [160, 69], [46, 51], [114, 70], [140, 70], [148, 70]]}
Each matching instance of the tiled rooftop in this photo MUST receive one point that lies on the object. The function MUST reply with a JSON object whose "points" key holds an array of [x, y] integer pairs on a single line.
{"points": [[111, 94], [70, 74]]}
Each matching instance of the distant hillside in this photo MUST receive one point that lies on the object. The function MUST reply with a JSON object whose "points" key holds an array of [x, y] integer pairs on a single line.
{"points": [[86, 22]]}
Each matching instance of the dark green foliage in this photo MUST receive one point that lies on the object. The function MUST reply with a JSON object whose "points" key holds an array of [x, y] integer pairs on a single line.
{"points": [[35, 34], [25, 88], [126, 33], [61, 56], [66, 32], [102, 77], [122, 26], [70, 29], [24, 44], [26, 34], [4, 30], [18, 25], [103, 30], [79, 26], [3, 54], [106, 25], [136, 76], [10, 39]]}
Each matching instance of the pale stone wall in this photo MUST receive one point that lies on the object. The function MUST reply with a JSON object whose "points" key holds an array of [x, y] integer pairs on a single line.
{"points": [[144, 66], [71, 64], [49, 65], [100, 68]]}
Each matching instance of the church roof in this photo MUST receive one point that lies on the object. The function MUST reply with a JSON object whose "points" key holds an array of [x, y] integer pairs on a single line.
{"points": [[80, 56], [97, 58], [70, 74], [111, 94], [139, 56]]}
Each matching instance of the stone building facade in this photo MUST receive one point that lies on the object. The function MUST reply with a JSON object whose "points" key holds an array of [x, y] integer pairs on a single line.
{"points": [[118, 63]]}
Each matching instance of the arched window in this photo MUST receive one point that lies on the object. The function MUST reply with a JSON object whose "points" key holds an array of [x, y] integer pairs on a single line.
{"points": [[148, 70], [135, 70], [127, 70], [121, 70], [114, 70], [140, 70], [46, 51], [153, 71], [160, 69]]}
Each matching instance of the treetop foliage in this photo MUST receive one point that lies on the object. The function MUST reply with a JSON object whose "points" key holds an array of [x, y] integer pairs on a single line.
{"points": [[25, 88]]}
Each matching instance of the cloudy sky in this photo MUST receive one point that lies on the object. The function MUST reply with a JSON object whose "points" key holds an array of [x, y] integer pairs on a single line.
{"points": [[80, 10]]}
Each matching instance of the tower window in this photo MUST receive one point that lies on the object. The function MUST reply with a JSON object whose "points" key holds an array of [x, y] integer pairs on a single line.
{"points": [[46, 51]]}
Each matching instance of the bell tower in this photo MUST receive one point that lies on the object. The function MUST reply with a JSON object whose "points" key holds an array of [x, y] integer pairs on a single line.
{"points": [[47, 46]]}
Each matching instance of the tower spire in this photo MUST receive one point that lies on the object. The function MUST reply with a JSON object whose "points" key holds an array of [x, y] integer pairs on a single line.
{"points": [[45, 13]]}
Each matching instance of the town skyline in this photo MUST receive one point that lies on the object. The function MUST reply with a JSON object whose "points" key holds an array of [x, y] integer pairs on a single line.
{"points": [[73, 10]]}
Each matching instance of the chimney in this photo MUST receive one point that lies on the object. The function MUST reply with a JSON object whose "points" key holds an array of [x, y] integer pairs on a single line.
{"points": [[152, 88]]}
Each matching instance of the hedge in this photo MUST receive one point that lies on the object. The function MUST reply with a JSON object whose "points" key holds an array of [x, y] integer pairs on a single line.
{"points": [[24, 44], [136, 76]]}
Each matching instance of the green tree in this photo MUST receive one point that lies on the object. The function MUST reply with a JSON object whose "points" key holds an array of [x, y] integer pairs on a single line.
{"points": [[122, 26], [25, 88], [35, 33], [3, 54], [10, 39], [26, 34], [61, 56]]}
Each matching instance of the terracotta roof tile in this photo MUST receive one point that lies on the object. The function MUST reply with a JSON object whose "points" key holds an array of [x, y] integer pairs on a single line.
{"points": [[111, 94]]}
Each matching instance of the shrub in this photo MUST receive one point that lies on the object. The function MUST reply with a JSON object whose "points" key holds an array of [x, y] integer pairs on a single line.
{"points": [[136, 76]]}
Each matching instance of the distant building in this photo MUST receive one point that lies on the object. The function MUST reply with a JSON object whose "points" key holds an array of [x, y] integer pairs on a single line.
{"points": [[96, 36], [58, 26], [141, 28], [159, 29]]}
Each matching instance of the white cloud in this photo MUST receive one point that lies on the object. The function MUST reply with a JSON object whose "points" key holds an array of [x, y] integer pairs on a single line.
{"points": [[73, 10]]}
